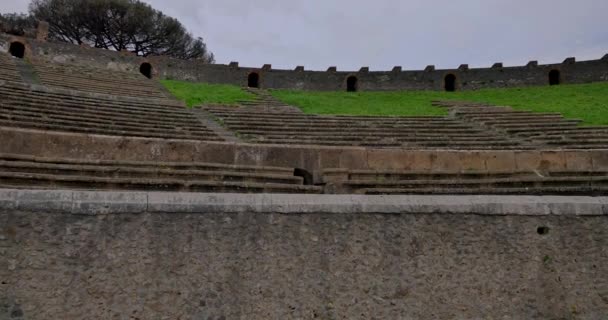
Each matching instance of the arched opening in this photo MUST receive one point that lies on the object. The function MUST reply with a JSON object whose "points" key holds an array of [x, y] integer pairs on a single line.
{"points": [[253, 80], [554, 77], [352, 84], [17, 49], [307, 177], [450, 83], [146, 69]]}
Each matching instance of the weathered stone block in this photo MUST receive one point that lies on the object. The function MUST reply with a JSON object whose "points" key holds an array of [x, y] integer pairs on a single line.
{"points": [[599, 159], [570, 60], [552, 160], [446, 161], [578, 160], [532, 64], [471, 161], [499, 161], [527, 160]]}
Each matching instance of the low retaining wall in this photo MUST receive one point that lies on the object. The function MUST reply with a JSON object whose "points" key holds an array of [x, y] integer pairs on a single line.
{"points": [[310, 158], [77, 255]]}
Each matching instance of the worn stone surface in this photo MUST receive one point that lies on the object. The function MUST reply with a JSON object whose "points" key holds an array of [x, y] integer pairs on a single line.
{"points": [[213, 265]]}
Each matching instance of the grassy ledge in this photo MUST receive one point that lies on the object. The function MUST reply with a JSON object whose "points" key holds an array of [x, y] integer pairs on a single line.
{"points": [[196, 94], [588, 102]]}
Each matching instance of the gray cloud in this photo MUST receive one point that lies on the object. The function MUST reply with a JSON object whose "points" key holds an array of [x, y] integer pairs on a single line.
{"points": [[384, 33]]}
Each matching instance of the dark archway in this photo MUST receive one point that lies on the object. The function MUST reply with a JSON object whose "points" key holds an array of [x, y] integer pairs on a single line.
{"points": [[253, 80], [17, 49], [450, 83], [352, 84], [307, 177], [554, 77], [146, 69]]}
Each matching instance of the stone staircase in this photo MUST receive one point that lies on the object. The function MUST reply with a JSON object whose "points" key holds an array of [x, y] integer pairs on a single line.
{"points": [[37, 107], [538, 129], [261, 98], [469, 182], [8, 69], [278, 127], [97, 80], [19, 171]]}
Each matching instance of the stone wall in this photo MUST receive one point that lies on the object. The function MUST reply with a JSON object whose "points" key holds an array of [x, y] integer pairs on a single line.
{"points": [[314, 159], [428, 79], [67, 255]]}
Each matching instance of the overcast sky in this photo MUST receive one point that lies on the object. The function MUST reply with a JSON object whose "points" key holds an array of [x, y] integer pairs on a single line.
{"points": [[381, 34]]}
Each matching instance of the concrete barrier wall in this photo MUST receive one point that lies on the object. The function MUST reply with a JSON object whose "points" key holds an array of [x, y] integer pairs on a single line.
{"points": [[77, 255], [467, 78]]}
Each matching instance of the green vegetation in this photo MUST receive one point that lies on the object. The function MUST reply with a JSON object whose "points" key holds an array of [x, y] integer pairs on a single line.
{"points": [[195, 94], [588, 102]]}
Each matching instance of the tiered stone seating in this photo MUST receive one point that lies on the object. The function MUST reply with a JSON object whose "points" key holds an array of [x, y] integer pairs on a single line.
{"points": [[405, 132], [470, 182], [541, 129], [8, 69], [261, 97], [25, 107], [19, 171], [98, 80]]}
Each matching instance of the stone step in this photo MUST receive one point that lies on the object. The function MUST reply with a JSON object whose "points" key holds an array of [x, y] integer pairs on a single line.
{"points": [[339, 175], [522, 131], [394, 138], [44, 104], [566, 131], [360, 130], [96, 124], [236, 125], [549, 125], [143, 172], [243, 112], [542, 190], [155, 106], [485, 183], [52, 181], [175, 166], [482, 136], [331, 121], [449, 144], [103, 85], [117, 118], [88, 130]]}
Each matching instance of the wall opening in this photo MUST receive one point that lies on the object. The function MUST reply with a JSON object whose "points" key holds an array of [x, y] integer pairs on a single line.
{"points": [[352, 84], [542, 230], [146, 69], [17, 49], [450, 83], [554, 77], [307, 176], [253, 80]]}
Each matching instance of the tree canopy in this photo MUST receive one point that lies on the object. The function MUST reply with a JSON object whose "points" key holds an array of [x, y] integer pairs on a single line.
{"points": [[17, 24], [121, 25]]}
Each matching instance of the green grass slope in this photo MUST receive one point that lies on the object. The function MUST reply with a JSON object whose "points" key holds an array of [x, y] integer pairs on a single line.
{"points": [[588, 102], [195, 94]]}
